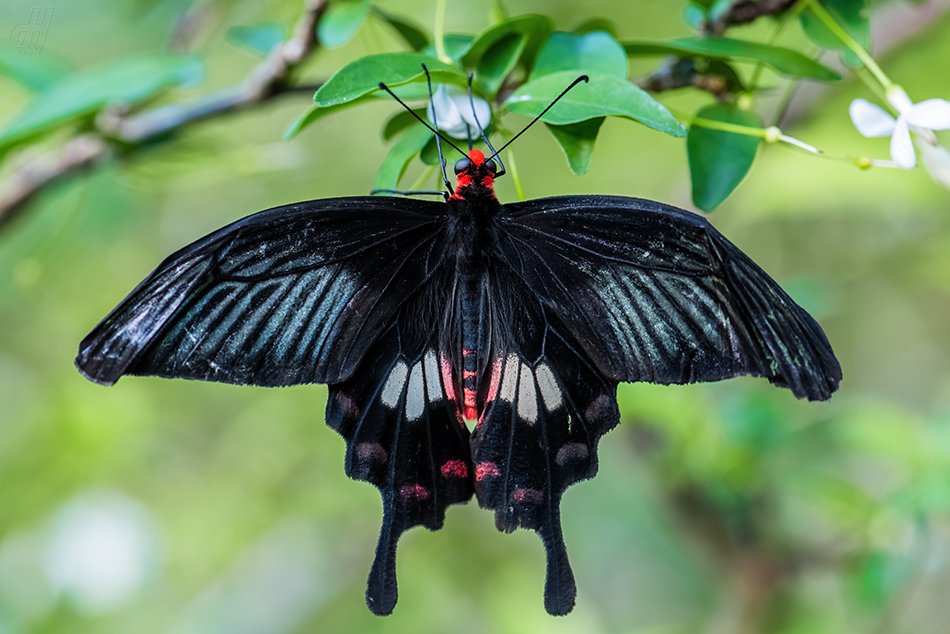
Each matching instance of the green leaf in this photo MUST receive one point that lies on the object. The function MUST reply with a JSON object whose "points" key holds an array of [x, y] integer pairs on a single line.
{"points": [[316, 113], [596, 52], [783, 60], [851, 15], [603, 95], [430, 153], [127, 81], [407, 92], [596, 24], [396, 162], [499, 61], [259, 39], [364, 75], [415, 36], [341, 22], [718, 161], [33, 72], [456, 46], [577, 141], [535, 27], [400, 121]]}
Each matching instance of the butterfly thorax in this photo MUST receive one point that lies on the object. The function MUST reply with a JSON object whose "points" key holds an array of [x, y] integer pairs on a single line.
{"points": [[473, 208]]}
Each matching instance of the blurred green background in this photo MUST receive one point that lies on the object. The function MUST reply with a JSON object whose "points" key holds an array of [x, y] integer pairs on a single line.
{"points": [[191, 508]]}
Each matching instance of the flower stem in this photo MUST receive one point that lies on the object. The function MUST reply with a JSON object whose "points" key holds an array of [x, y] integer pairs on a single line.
{"points": [[423, 178], [496, 12], [513, 169], [832, 25], [440, 32], [722, 126]]}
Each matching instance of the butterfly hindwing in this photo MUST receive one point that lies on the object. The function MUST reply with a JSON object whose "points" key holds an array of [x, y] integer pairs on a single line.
{"points": [[545, 408], [294, 294], [656, 294], [404, 434]]}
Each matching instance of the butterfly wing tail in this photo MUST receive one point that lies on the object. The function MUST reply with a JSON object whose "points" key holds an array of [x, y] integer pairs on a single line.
{"points": [[547, 406], [404, 435]]}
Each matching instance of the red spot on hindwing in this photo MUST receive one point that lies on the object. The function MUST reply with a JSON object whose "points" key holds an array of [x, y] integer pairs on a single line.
{"points": [[455, 469], [414, 492], [370, 452], [445, 367], [527, 496], [495, 381], [485, 470]]}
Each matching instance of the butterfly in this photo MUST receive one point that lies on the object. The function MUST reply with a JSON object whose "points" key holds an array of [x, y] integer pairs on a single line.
{"points": [[422, 315]]}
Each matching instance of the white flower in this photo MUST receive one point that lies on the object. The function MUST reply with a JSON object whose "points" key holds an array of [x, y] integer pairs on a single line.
{"points": [[921, 118], [936, 160], [454, 110]]}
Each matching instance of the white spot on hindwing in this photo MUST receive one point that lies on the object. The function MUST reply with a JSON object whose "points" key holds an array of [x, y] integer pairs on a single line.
{"points": [[433, 386], [527, 396], [394, 385], [415, 395], [547, 384], [510, 381]]}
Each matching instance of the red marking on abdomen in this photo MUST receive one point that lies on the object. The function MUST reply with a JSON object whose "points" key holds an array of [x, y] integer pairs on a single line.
{"points": [[468, 374], [414, 492], [485, 470], [527, 496], [455, 469], [469, 410]]}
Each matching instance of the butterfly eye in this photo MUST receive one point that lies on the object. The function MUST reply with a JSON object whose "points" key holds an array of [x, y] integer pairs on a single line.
{"points": [[490, 166], [462, 165]]}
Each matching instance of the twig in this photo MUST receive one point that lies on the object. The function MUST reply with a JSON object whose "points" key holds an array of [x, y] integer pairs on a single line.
{"points": [[744, 12], [19, 188], [269, 79]]}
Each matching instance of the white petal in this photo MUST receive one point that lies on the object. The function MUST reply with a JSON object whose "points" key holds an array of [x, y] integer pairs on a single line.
{"points": [[899, 99], [902, 149], [449, 118], [936, 160], [870, 120], [482, 111], [933, 114]]}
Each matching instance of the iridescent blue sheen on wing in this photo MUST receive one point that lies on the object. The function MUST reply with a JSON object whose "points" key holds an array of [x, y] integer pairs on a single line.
{"points": [[291, 295], [656, 294]]}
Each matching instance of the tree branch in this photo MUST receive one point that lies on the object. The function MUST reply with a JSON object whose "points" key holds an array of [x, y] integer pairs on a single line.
{"points": [[269, 79], [744, 12]]}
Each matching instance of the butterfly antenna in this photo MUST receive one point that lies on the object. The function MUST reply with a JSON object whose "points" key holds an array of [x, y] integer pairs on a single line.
{"points": [[583, 78], [481, 129], [438, 137]]}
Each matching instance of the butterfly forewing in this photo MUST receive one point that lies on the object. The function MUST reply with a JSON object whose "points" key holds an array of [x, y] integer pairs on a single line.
{"points": [[291, 295], [654, 293]]}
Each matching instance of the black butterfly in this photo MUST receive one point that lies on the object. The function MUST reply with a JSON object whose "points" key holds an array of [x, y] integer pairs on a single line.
{"points": [[418, 314]]}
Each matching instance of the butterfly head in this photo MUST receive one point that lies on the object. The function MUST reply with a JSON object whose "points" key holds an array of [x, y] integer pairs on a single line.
{"points": [[474, 171]]}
